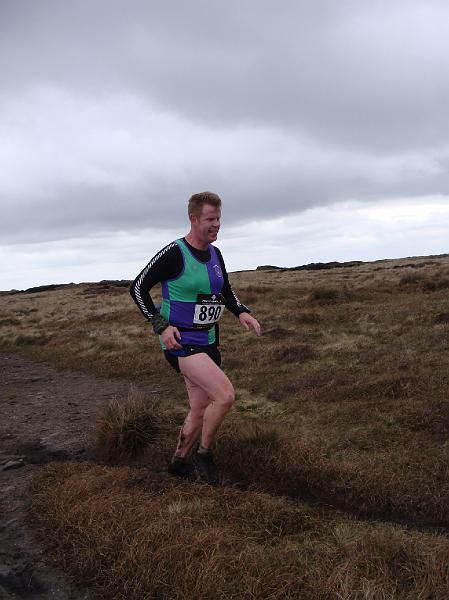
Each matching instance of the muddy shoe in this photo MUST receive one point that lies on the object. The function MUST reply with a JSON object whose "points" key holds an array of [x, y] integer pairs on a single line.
{"points": [[204, 467], [181, 467]]}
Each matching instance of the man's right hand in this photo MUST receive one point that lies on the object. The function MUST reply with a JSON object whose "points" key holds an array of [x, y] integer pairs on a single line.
{"points": [[171, 337]]}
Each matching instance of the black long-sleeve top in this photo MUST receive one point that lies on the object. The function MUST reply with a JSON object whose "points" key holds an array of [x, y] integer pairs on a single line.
{"points": [[168, 264]]}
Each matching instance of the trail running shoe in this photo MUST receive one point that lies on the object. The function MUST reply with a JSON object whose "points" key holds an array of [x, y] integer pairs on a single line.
{"points": [[181, 467], [204, 467]]}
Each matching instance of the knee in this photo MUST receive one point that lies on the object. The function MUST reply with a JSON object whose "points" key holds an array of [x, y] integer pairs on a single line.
{"points": [[227, 397]]}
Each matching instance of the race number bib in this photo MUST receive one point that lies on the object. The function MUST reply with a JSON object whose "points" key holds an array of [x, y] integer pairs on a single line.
{"points": [[208, 309]]}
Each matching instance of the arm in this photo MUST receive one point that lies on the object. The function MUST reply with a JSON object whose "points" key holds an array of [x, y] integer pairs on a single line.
{"points": [[166, 264], [233, 303], [249, 322]]}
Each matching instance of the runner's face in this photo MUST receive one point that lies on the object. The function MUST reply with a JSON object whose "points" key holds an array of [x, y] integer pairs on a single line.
{"points": [[207, 224]]}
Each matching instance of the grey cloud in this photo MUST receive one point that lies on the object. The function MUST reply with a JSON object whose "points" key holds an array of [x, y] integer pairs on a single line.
{"points": [[366, 75], [87, 210], [278, 107]]}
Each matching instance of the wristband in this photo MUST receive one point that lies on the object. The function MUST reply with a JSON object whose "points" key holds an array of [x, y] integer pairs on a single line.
{"points": [[159, 323]]}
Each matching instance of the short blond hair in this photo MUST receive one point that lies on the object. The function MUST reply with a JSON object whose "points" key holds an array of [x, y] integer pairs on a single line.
{"points": [[197, 201]]}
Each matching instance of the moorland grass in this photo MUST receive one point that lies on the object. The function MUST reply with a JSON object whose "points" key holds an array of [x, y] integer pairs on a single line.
{"points": [[342, 401], [262, 455], [135, 535]]}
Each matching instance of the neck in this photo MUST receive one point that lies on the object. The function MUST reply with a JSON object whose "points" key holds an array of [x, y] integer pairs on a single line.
{"points": [[195, 242]]}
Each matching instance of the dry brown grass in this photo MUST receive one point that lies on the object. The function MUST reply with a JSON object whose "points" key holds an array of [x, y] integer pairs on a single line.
{"points": [[353, 385], [125, 429], [328, 295], [134, 535], [279, 461]]}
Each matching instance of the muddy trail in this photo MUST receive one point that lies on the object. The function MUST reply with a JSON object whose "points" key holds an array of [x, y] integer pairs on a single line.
{"points": [[44, 416]]}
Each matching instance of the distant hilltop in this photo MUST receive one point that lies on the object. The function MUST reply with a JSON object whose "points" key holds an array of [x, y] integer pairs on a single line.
{"points": [[104, 284], [335, 264], [312, 266]]}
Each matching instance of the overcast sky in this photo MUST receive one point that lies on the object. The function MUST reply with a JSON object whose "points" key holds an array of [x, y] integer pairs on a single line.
{"points": [[323, 126]]}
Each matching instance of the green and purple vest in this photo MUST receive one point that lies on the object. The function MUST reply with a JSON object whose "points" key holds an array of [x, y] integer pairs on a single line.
{"points": [[192, 302]]}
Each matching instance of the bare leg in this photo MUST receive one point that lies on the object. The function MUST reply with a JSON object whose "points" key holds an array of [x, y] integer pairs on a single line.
{"points": [[201, 371], [191, 430]]}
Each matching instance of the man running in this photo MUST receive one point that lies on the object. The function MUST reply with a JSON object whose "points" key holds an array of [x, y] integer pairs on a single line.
{"points": [[195, 291]]}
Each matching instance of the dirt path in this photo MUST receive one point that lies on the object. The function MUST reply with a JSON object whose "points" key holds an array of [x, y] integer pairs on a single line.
{"points": [[44, 415]]}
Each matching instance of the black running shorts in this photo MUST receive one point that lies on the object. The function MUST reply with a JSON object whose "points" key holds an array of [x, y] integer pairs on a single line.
{"points": [[211, 350]]}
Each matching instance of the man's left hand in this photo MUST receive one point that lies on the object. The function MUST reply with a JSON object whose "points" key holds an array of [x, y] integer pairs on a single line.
{"points": [[249, 322]]}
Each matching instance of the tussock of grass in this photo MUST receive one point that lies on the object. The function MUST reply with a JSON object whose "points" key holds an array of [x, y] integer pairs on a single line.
{"points": [[260, 289], [279, 333], [9, 321], [424, 281], [134, 535], [126, 428], [435, 284], [441, 319], [388, 564], [284, 462], [411, 278], [310, 318], [327, 295], [290, 389], [427, 416], [232, 363], [31, 340], [294, 353]]}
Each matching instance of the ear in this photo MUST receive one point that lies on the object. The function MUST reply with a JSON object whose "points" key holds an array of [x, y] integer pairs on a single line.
{"points": [[193, 218]]}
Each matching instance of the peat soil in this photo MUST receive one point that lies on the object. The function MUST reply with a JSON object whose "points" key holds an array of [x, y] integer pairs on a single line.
{"points": [[44, 417]]}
